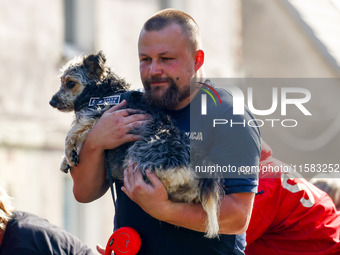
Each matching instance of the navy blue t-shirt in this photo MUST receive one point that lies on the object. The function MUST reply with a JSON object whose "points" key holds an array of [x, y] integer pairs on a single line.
{"points": [[224, 145]]}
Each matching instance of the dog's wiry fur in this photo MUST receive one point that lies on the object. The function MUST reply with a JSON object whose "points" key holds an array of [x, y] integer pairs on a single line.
{"points": [[163, 148]]}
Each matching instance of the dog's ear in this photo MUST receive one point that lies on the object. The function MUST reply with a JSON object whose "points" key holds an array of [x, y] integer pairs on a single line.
{"points": [[95, 64]]}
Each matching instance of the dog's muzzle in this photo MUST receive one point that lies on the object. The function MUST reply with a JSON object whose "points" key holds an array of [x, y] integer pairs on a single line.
{"points": [[54, 102]]}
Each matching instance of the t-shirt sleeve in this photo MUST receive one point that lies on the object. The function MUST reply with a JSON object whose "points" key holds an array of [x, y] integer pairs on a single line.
{"points": [[236, 149]]}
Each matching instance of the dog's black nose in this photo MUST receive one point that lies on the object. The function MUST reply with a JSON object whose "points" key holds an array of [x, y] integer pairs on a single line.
{"points": [[53, 102]]}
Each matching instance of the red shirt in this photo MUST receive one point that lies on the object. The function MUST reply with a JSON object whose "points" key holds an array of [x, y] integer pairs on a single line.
{"points": [[291, 216]]}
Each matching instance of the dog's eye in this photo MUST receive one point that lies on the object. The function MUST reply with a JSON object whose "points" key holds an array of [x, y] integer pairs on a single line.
{"points": [[70, 84]]}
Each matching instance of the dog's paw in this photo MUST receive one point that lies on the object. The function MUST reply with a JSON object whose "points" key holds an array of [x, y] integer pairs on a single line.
{"points": [[74, 157], [64, 167]]}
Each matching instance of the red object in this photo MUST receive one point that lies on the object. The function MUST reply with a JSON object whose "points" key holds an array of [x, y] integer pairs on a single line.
{"points": [[291, 216], [125, 241]]}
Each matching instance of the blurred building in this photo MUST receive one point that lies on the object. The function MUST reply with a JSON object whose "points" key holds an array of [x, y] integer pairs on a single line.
{"points": [[249, 38], [298, 39]]}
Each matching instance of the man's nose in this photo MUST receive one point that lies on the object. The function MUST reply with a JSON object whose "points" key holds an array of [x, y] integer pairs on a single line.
{"points": [[155, 68]]}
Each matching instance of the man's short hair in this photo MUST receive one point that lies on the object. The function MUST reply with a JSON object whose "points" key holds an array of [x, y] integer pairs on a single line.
{"points": [[166, 17], [6, 208]]}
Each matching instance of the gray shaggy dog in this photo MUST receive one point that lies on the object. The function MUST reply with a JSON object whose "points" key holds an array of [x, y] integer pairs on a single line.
{"points": [[89, 88]]}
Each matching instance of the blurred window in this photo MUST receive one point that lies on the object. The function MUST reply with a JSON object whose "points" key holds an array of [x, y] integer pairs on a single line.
{"points": [[78, 27]]}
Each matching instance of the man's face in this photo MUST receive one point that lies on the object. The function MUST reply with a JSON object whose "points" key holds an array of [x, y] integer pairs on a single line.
{"points": [[167, 65]]}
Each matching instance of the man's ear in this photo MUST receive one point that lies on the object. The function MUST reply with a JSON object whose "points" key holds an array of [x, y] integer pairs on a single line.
{"points": [[199, 59]]}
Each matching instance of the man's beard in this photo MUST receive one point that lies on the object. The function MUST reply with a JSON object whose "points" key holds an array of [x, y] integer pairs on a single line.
{"points": [[170, 97]]}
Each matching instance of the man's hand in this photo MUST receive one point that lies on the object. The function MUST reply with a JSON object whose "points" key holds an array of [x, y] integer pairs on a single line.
{"points": [[152, 198], [112, 129]]}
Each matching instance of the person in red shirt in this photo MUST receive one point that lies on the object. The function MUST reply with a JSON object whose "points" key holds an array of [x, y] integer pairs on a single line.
{"points": [[290, 215]]}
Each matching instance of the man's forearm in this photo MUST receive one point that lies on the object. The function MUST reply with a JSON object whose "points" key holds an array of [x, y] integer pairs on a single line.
{"points": [[89, 182], [233, 219]]}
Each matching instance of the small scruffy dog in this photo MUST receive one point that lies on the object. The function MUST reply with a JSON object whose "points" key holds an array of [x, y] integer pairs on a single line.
{"points": [[89, 88]]}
